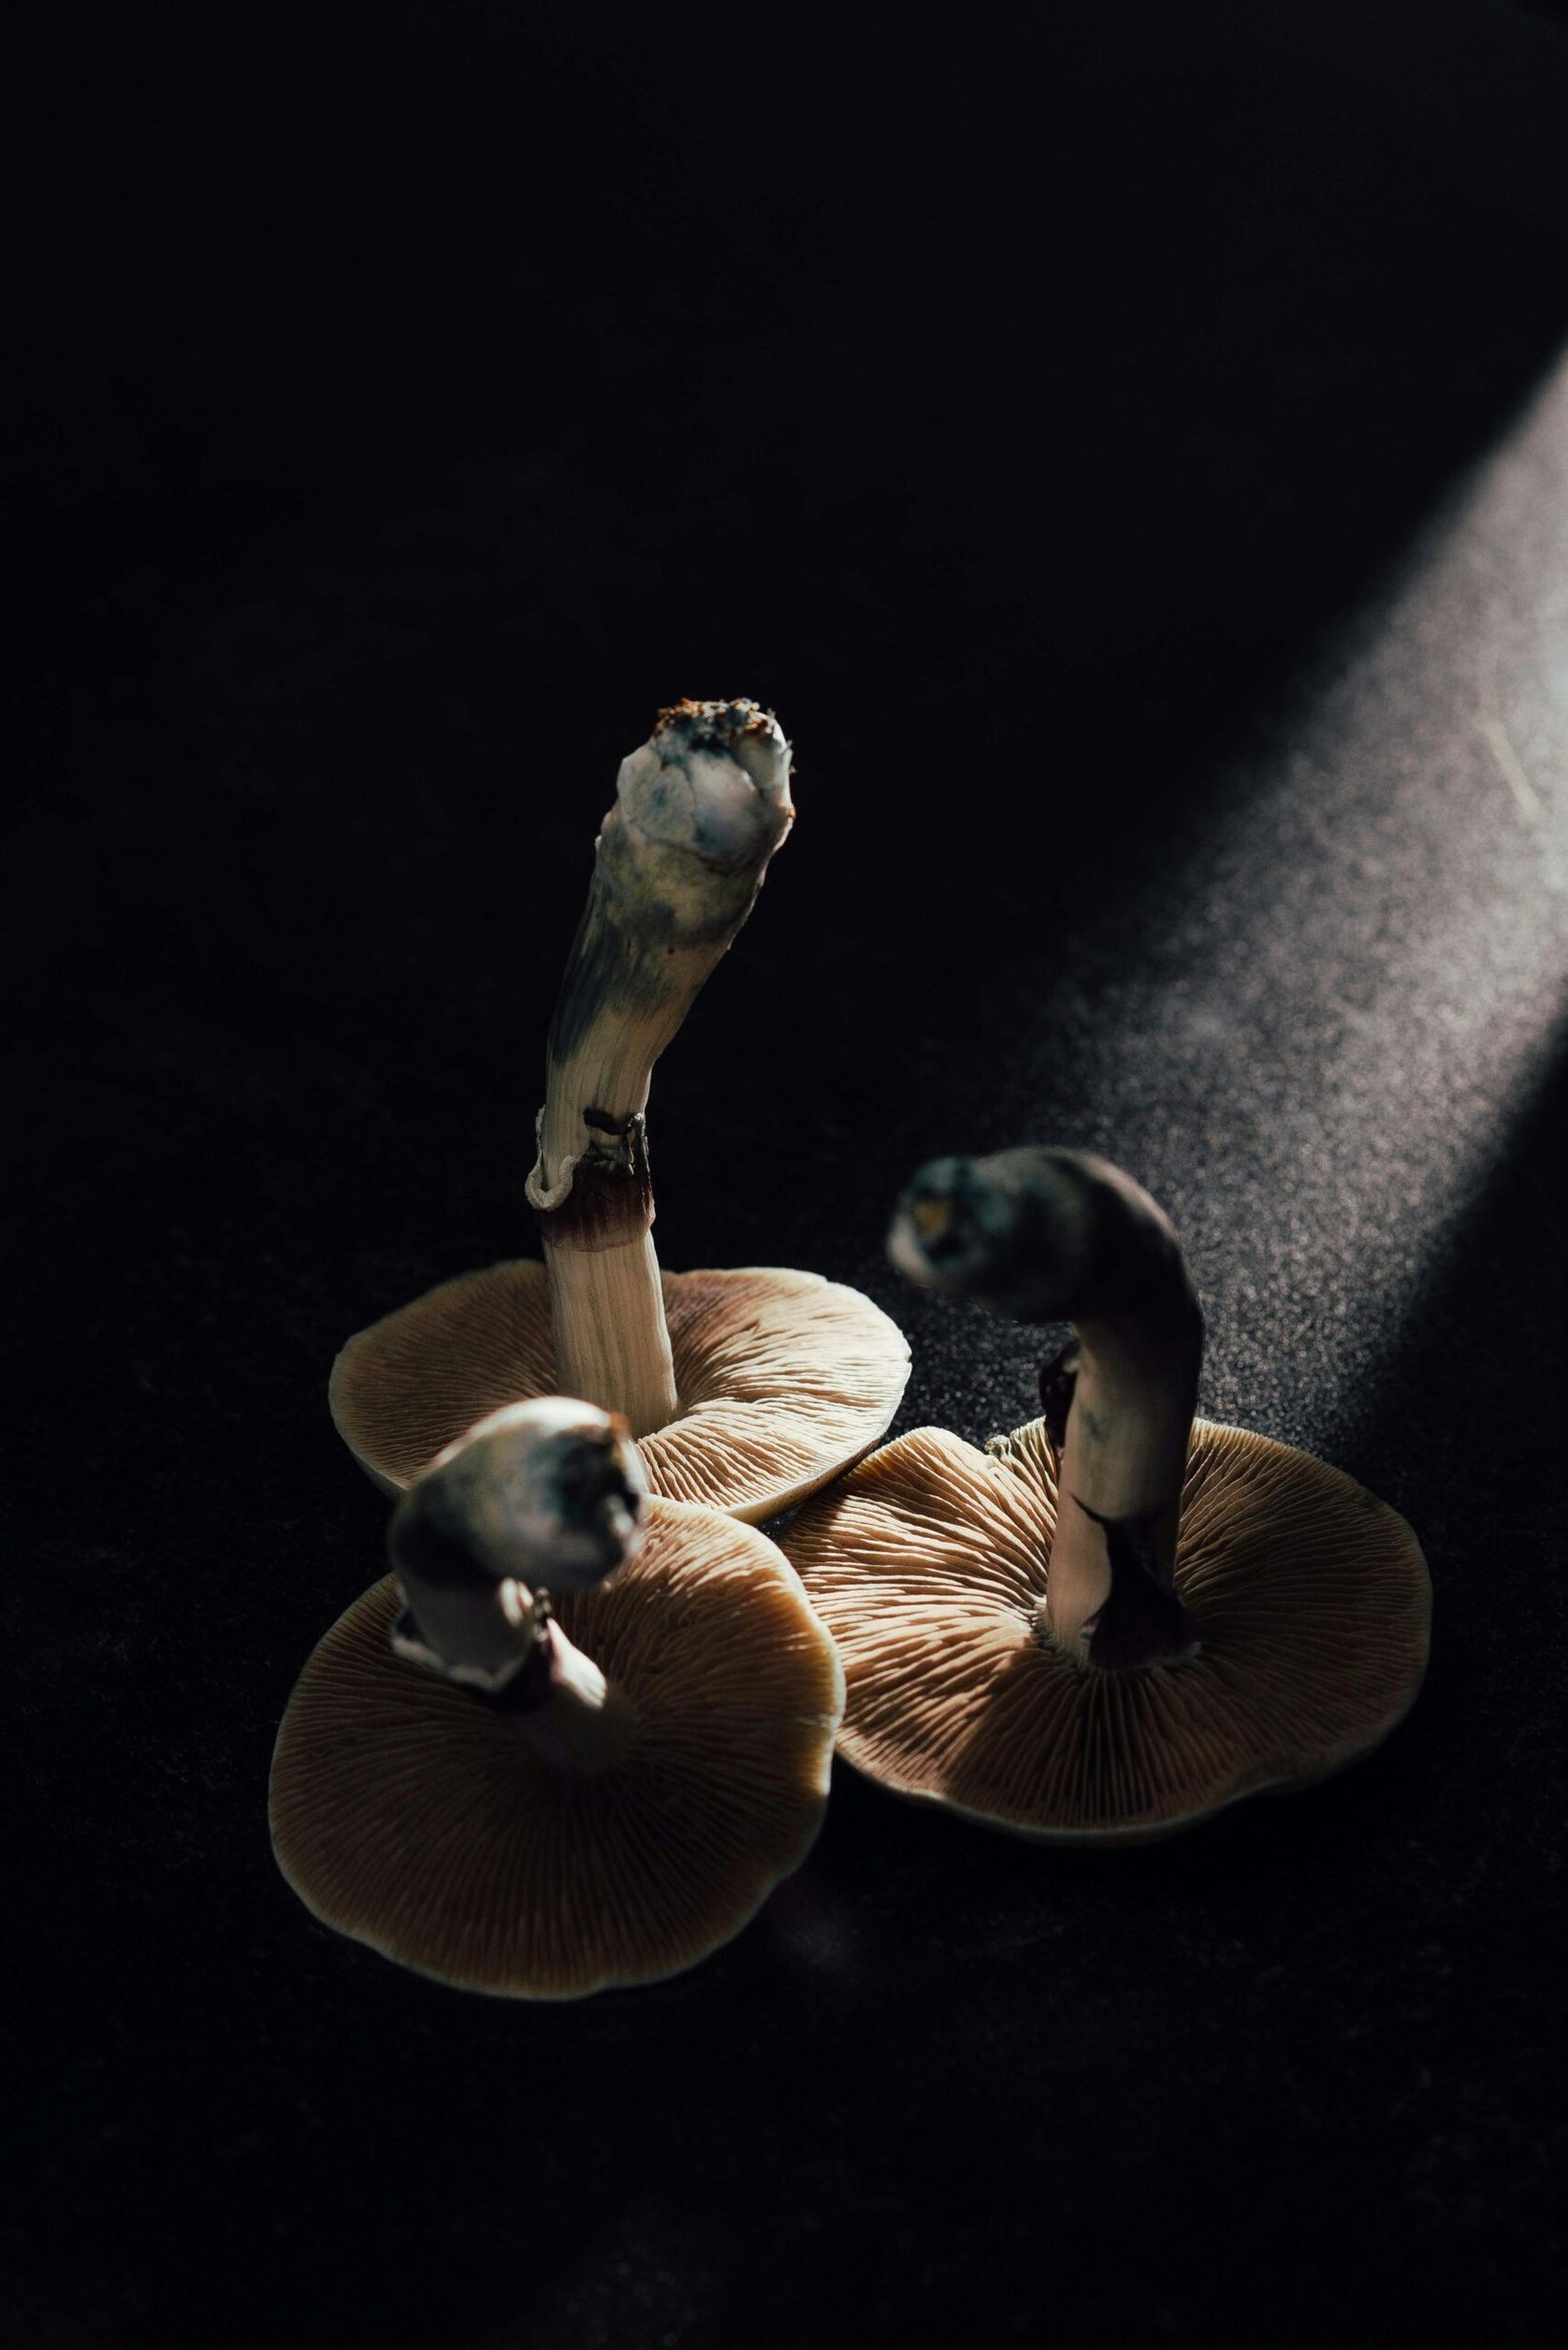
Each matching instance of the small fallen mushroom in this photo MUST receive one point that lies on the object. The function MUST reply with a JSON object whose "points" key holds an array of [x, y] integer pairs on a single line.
{"points": [[745, 1390], [1118, 1619], [573, 1739]]}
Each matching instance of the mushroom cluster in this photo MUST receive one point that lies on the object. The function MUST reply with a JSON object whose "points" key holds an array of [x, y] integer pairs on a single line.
{"points": [[587, 1721], [572, 1740], [1118, 1619], [746, 1389]]}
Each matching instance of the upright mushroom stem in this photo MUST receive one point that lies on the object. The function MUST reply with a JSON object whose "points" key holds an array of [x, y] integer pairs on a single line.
{"points": [[540, 1495], [699, 810], [1058, 1235]]}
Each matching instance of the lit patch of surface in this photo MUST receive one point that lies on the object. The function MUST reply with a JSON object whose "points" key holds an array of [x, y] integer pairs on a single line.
{"points": [[1311, 1028]]}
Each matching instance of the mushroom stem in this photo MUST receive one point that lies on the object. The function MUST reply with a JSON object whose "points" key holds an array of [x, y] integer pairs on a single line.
{"points": [[1058, 1234], [699, 810], [1111, 1595]]}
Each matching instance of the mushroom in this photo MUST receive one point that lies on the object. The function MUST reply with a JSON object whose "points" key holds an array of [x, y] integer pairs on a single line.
{"points": [[1118, 1619], [573, 1739], [746, 1389]]}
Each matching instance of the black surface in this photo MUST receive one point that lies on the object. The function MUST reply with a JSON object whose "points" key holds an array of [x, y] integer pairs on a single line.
{"points": [[1138, 479]]}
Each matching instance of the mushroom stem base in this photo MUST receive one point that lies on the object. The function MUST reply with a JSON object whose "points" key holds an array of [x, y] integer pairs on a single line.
{"points": [[1109, 1600], [584, 1723]]}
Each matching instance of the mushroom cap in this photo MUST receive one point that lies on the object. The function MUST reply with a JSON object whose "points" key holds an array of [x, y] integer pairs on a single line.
{"points": [[928, 1565], [413, 1816], [784, 1379]]}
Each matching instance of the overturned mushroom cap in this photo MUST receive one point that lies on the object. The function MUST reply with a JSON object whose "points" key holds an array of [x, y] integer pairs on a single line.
{"points": [[416, 1816], [783, 1380], [928, 1565]]}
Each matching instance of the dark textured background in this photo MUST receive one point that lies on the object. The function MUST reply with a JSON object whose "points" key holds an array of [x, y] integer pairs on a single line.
{"points": [[1138, 472]]}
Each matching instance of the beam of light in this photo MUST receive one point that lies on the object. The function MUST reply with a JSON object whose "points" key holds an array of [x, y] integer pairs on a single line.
{"points": [[1312, 1036]]}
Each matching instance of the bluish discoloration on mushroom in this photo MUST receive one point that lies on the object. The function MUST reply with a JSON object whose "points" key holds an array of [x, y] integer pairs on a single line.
{"points": [[699, 810], [541, 1495], [1043, 1236]]}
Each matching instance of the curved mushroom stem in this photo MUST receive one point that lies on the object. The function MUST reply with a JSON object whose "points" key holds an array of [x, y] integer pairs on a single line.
{"points": [[699, 810], [1058, 1234], [548, 1491]]}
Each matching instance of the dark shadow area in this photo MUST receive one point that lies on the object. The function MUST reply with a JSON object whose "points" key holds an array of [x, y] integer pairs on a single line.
{"points": [[1461, 1429], [411, 412], [1012, 428]]}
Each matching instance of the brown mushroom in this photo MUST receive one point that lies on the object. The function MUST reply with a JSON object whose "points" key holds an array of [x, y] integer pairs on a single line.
{"points": [[543, 1795], [1117, 1620], [747, 1390]]}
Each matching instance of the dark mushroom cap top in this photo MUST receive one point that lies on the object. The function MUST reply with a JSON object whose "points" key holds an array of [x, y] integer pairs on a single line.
{"points": [[928, 1565]]}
